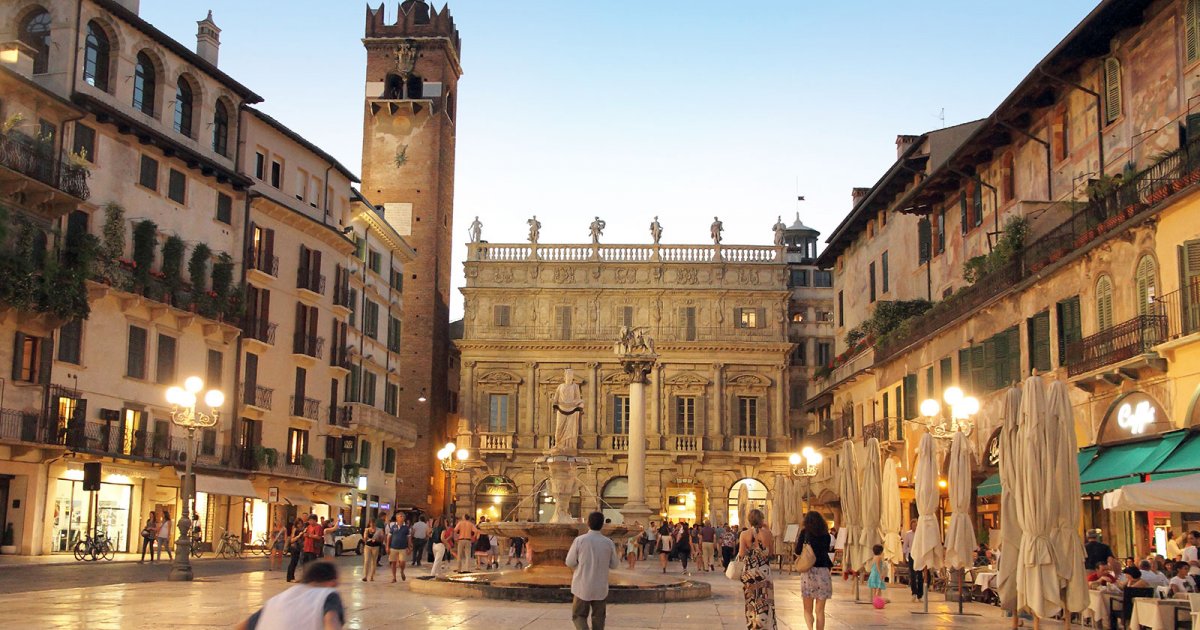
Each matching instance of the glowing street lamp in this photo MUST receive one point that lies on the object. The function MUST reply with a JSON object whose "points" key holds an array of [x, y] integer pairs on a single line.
{"points": [[961, 408], [184, 414]]}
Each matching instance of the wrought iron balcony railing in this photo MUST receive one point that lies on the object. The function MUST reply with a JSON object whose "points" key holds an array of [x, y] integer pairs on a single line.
{"points": [[1118, 343], [29, 157]]}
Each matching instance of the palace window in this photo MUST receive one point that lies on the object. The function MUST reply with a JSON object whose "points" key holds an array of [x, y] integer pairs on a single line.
{"points": [[220, 142], [183, 107], [145, 84], [620, 419], [501, 315], [498, 413], [35, 32], [685, 415], [747, 415], [748, 318]]}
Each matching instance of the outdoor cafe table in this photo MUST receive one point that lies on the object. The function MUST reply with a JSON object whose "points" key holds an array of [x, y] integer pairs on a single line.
{"points": [[1097, 609], [1153, 613], [986, 580]]}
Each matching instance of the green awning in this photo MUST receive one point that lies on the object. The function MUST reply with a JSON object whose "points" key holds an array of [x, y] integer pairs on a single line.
{"points": [[1185, 459], [991, 486], [1124, 464]]}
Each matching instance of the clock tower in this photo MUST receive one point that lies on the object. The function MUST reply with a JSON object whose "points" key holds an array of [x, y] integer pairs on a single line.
{"points": [[408, 170]]}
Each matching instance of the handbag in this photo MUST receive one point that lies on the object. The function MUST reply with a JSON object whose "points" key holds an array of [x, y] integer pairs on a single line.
{"points": [[736, 568], [806, 559]]}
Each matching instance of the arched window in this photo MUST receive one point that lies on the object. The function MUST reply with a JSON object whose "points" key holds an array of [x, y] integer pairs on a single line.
{"points": [[1146, 285], [755, 497], [1104, 314], [35, 31], [613, 498], [496, 498], [144, 84], [221, 129], [183, 107], [96, 51]]}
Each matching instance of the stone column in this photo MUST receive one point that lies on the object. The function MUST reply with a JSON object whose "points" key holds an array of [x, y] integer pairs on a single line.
{"points": [[594, 431], [779, 423], [635, 507], [713, 424], [531, 403]]}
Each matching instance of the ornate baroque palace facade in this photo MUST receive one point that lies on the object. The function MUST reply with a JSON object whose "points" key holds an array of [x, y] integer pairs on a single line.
{"points": [[716, 401]]}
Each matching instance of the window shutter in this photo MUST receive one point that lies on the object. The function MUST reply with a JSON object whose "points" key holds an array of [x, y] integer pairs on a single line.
{"points": [[979, 367], [1189, 266], [962, 210], [1039, 342], [1145, 285], [760, 318], [910, 397], [947, 369], [18, 355], [1191, 18], [924, 240], [1104, 316], [737, 318], [1112, 89]]}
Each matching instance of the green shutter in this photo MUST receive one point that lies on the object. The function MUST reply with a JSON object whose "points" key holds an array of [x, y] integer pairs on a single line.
{"points": [[1191, 17], [924, 240], [962, 210], [1189, 269], [964, 370], [1069, 328], [947, 368], [979, 368], [1039, 341], [977, 200], [910, 396]]}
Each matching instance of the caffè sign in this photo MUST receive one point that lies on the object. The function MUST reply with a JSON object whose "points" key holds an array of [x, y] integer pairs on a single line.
{"points": [[1134, 415]]}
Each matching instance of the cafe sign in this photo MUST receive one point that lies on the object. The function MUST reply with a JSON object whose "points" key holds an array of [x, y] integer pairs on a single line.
{"points": [[1133, 416], [991, 454]]}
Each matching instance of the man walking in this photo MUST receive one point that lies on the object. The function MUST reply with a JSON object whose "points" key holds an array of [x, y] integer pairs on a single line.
{"points": [[465, 533], [591, 557], [916, 579], [399, 540], [708, 537], [420, 534]]}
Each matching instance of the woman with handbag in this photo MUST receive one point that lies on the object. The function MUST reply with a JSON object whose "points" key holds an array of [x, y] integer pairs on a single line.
{"points": [[149, 533], [755, 548], [816, 586]]}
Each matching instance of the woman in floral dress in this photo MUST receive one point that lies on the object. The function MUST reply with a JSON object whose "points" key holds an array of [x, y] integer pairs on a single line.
{"points": [[755, 547], [816, 586]]}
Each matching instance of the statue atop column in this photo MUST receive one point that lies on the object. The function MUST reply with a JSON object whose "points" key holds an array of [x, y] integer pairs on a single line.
{"points": [[779, 231], [568, 407], [715, 230], [535, 228], [634, 341], [597, 230], [475, 232], [656, 230]]}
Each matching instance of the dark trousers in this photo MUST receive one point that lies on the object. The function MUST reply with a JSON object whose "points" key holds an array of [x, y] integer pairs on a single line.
{"points": [[307, 556], [148, 544], [579, 613], [418, 551], [291, 570], [726, 556], [916, 580]]}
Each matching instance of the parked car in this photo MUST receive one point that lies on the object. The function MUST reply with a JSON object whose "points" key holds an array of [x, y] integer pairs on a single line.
{"points": [[344, 539]]}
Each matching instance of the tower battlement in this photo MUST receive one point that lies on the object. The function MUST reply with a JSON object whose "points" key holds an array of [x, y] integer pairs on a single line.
{"points": [[415, 18]]}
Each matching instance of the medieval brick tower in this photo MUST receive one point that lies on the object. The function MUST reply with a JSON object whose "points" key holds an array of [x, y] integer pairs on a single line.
{"points": [[408, 168]]}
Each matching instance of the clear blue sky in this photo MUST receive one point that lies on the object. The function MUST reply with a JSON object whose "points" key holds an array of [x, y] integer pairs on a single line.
{"points": [[574, 108]]}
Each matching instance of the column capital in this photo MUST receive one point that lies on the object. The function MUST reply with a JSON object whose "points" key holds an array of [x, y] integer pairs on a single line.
{"points": [[593, 365], [470, 363], [638, 369]]}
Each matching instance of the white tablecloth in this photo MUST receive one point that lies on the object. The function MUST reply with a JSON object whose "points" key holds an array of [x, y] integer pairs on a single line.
{"points": [[1156, 614], [987, 580], [1097, 609]]}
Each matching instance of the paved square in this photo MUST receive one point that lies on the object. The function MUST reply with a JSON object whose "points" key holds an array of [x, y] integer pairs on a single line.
{"points": [[220, 602]]}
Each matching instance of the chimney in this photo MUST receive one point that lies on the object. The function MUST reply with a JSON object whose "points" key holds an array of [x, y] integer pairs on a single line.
{"points": [[18, 57], [903, 143], [208, 39], [857, 194]]}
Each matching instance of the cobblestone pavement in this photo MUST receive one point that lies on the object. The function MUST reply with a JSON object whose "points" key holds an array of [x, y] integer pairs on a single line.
{"points": [[220, 600]]}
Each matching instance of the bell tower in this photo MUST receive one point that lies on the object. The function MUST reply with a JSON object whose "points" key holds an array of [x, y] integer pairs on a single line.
{"points": [[408, 170]]}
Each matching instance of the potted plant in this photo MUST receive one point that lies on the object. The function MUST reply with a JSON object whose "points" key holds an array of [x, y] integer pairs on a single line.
{"points": [[172, 267], [7, 545], [306, 460], [198, 273], [145, 238]]}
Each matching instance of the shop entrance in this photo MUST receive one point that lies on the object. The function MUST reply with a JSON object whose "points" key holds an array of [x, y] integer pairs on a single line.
{"points": [[75, 515], [685, 501]]}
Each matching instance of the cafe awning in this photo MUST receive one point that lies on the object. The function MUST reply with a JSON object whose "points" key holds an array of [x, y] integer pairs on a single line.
{"points": [[1183, 461], [298, 499], [991, 486], [225, 486], [1124, 464]]}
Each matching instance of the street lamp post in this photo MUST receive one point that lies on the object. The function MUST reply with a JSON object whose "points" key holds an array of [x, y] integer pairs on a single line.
{"points": [[811, 459], [962, 408], [184, 414], [453, 460]]}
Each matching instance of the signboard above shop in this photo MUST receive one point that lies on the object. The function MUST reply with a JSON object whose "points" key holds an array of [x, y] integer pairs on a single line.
{"points": [[1134, 415]]}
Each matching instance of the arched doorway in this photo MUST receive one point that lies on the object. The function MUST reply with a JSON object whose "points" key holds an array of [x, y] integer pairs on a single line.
{"points": [[544, 507], [613, 497], [496, 498], [756, 495]]}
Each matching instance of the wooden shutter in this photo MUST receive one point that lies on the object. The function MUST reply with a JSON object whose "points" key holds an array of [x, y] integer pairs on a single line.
{"points": [[1145, 285], [1069, 329], [136, 359], [312, 326], [1112, 89], [962, 211], [910, 397], [18, 355], [871, 279], [1104, 314], [627, 315], [1189, 268], [979, 367], [1039, 342], [947, 369], [760, 318], [316, 270], [977, 200], [301, 382], [1191, 19], [924, 240]]}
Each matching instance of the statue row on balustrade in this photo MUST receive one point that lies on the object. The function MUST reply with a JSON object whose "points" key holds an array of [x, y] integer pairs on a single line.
{"points": [[596, 230]]}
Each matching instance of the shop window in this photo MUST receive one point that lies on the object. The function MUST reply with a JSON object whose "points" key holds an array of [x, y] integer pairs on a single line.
{"points": [[756, 498]]}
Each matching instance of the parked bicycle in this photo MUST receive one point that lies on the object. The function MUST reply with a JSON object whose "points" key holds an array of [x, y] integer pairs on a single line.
{"points": [[95, 547], [229, 545], [264, 543], [196, 540]]}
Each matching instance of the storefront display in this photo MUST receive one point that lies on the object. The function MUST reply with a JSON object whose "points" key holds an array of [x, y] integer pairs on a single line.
{"points": [[76, 513]]}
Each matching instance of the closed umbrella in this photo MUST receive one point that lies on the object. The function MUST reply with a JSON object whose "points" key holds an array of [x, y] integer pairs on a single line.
{"points": [[960, 539], [776, 506], [890, 515], [848, 487], [1068, 547], [1010, 473], [872, 499], [927, 540], [743, 504], [1037, 580]]}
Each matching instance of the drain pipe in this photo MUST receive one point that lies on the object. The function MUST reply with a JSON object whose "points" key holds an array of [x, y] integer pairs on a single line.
{"points": [[1049, 157], [1099, 112]]}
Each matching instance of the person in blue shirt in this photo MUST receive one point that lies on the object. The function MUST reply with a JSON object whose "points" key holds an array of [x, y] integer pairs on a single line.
{"points": [[399, 541]]}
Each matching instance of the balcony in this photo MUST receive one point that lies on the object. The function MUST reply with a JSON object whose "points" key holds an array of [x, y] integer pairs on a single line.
{"points": [[339, 357], [309, 408], [367, 418], [23, 426], [264, 266], [886, 431], [618, 443], [258, 396], [310, 281], [495, 443], [260, 331], [1182, 309], [749, 444], [307, 345], [341, 295], [58, 182], [339, 416], [1126, 340], [686, 444]]}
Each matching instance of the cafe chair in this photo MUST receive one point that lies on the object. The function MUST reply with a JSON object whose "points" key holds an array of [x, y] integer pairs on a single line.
{"points": [[1126, 610]]}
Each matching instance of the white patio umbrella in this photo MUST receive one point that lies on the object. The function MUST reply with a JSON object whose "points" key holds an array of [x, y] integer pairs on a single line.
{"points": [[776, 505], [1010, 472], [872, 500], [927, 540], [1068, 547], [1037, 580], [743, 503], [848, 489], [1175, 494], [890, 515], [960, 538]]}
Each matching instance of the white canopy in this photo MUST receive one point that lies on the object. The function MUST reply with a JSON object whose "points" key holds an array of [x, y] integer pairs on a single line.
{"points": [[1068, 546], [1178, 494], [927, 540], [892, 549], [960, 539], [848, 489], [743, 503], [872, 498], [1037, 579], [1010, 473]]}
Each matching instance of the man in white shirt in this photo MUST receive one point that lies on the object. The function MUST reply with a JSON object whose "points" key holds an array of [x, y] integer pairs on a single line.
{"points": [[1191, 555], [916, 579], [1150, 576], [591, 557], [420, 534]]}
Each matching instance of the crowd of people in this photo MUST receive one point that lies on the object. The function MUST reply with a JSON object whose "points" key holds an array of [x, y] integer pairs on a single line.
{"points": [[1178, 572]]}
